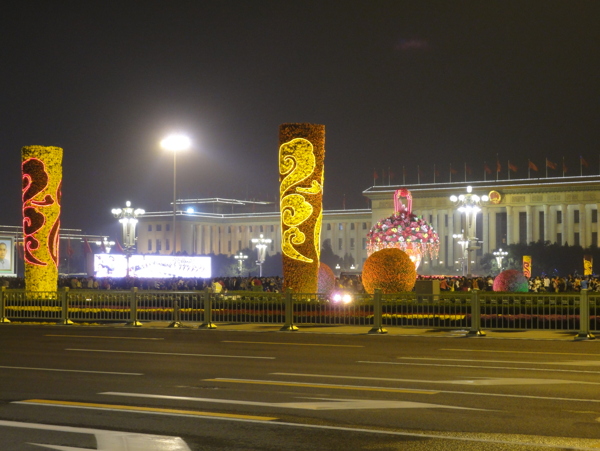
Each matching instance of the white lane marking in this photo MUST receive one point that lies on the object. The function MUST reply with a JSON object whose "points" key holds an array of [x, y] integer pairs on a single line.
{"points": [[519, 352], [329, 404], [548, 370], [170, 354], [100, 336], [472, 381], [109, 440], [572, 362], [69, 371]]}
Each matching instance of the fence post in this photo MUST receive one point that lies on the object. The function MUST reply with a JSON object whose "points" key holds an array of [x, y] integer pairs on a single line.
{"points": [[64, 300], [3, 318], [176, 316], [475, 330], [133, 318], [377, 314], [207, 324], [289, 312], [584, 317]]}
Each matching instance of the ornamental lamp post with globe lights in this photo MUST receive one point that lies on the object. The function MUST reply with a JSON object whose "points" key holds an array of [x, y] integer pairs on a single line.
{"points": [[468, 204], [261, 248], [175, 143], [500, 255], [128, 218], [240, 258], [105, 245]]}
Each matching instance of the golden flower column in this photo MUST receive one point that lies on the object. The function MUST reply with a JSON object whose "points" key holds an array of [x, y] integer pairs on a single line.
{"points": [[42, 180], [301, 157]]}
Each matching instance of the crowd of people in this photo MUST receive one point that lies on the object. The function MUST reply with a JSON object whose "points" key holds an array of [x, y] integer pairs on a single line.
{"points": [[352, 283]]}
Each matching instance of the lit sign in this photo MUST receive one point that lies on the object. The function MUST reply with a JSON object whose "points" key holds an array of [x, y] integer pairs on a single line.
{"points": [[152, 266]]}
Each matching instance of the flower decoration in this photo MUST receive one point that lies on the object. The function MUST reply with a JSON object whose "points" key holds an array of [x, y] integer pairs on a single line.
{"points": [[301, 158], [511, 280], [405, 231], [391, 270], [326, 279]]}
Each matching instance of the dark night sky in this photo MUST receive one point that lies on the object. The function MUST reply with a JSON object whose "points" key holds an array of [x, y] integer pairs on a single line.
{"points": [[396, 83]]}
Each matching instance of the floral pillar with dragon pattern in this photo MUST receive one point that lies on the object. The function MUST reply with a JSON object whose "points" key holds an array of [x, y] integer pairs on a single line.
{"points": [[301, 157], [42, 180]]}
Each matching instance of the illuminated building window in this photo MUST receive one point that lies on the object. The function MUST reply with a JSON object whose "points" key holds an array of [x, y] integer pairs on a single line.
{"points": [[352, 226], [250, 229], [149, 245], [158, 246], [149, 227], [229, 230], [541, 226], [168, 227], [339, 244], [576, 216], [364, 244], [559, 217], [340, 226], [261, 228], [328, 226], [576, 239], [272, 229], [167, 245], [364, 226], [159, 228], [239, 245], [229, 246], [594, 216], [352, 244]]}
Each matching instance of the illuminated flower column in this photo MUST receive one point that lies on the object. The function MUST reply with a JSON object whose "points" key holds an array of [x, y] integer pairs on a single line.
{"points": [[301, 156], [42, 179]]}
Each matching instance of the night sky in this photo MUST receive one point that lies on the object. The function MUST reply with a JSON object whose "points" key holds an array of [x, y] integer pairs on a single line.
{"points": [[396, 83]]}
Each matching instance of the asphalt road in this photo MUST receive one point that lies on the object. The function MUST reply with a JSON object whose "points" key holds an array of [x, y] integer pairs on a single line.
{"points": [[74, 388]]}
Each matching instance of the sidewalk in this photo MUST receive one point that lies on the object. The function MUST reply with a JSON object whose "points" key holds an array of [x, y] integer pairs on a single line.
{"points": [[391, 331]]}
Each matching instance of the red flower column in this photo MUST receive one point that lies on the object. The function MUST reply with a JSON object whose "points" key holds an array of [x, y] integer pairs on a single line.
{"points": [[42, 180], [301, 157]]}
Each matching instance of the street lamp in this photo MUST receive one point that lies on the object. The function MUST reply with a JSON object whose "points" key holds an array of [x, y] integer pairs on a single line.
{"points": [[128, 218], [500, 254], [468, 204], [105, 245], [261, 247], [175, 143], [240, 258]]}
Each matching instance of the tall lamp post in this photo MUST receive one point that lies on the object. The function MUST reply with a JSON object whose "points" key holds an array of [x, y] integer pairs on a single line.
{"points": [[175, 143], [468, 205], [500, 254], [240, 258], [261, 247], [128, 218]]}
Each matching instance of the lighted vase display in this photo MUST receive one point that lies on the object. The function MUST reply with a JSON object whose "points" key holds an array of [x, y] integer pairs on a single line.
{"points": [[405, 231], [42, 179], [301, 157]]}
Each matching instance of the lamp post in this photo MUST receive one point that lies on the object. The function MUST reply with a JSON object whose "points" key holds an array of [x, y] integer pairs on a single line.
{"points": [[128, 218], [261, 248], [468, 204], [240, 258], [500, 254], [175, 143], [464, 245], [105, 245]]}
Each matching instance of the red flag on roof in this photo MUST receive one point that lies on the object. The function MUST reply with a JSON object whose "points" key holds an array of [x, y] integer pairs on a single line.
{"points": [[512, 167], [532, 166], [550, 165], [486, 168]]}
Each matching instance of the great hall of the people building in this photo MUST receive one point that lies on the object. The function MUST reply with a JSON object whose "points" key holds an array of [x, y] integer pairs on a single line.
{"points": [[556, 209]]}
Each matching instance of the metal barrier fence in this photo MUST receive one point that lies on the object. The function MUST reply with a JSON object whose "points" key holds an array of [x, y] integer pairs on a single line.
{"points": [[475, 311]]}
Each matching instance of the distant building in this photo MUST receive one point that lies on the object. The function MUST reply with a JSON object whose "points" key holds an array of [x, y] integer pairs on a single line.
{"points": [[556, 209]]}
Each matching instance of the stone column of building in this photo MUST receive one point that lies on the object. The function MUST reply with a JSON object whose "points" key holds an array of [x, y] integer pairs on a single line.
{"points": [[547, 230], [509, 225], [530, 223], [583, 241], [485, 247], [564, 208], [450, 257], [492, 242]]}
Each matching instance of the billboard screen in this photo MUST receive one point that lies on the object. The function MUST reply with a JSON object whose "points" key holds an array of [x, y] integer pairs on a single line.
{"points": [[152, 266]]}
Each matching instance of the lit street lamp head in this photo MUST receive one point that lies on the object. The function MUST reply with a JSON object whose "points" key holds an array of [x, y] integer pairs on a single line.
{"points": [[176, 142]]}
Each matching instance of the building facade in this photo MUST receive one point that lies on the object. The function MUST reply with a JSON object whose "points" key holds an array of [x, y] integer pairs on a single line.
{"points": [[561, 210]]}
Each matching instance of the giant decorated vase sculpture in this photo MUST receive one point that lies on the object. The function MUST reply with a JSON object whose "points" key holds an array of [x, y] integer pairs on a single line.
{"points": [[405, 231]]}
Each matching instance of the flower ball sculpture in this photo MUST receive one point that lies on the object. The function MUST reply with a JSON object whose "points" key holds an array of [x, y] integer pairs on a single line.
{"points": [[390, 270], [405, 231], [511, 280], [326, 282]]}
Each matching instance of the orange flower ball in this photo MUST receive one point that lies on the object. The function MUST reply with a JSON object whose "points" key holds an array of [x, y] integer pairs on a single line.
{"points": [[391, 270], [326, 279]]}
